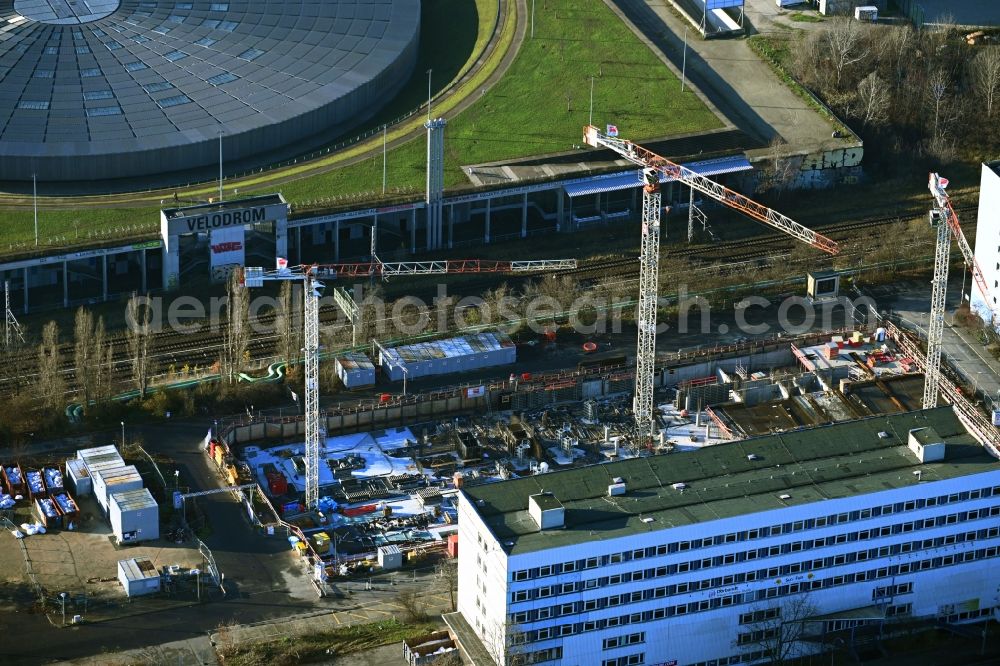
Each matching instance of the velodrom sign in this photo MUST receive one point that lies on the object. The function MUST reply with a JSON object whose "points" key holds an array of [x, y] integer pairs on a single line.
{"points": [[227, 218], [212, 217]]}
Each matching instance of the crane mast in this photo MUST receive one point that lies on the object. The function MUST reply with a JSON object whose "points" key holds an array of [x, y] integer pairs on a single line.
{"points": [[653, 167], [935, 326], [312, 292], [946, 222], [649, 276]]}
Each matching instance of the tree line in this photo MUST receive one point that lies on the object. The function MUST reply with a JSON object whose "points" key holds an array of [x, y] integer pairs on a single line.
{"points": [[927, 94]]}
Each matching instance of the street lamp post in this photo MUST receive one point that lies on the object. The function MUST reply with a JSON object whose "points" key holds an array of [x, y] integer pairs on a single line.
{"points": [[123, 433], [62, 598], [220, 166], [34, 199], [684, 61], [591, 121], [429, 75]]}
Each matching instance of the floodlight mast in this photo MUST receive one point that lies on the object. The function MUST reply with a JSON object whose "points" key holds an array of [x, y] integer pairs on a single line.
{"points": [[653, 168]]}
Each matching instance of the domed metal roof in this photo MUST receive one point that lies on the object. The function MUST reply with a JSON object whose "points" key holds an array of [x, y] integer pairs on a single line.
{"points": [[104, 89]]}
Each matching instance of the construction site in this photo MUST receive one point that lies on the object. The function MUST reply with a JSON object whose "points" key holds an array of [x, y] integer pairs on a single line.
{"points": [[373, 484], [376, 484]]}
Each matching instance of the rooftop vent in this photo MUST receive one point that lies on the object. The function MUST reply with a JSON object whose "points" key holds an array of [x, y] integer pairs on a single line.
{"points": [[752, 456], [884, 435], [786, 496], [679, 486], [647, 519], [616, 488], [926, 444], [546, 511]]}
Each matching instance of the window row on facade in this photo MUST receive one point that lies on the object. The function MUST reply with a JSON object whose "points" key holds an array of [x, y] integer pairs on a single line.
{"points": [[547, 591], [752, 534], [721, 601]]}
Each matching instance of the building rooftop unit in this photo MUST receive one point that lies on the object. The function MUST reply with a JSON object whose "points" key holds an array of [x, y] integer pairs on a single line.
{"points": [[355, 361], [138, 568], [732, 479], [134, 500], [119, 475], [83, 454], [450, 348]]}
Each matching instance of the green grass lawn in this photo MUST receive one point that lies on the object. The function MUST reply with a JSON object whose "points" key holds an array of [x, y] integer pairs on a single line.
{"points": [[801, 17], [539, 107], [67, 228], [320, 646], [542, 103]]}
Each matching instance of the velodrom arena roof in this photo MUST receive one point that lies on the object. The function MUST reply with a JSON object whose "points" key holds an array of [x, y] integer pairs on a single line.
{"points": [[99, 89]]}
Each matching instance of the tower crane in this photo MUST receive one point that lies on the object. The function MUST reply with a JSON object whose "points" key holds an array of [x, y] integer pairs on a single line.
{"points": [[946, 221], [653, 167], [310, 276]]}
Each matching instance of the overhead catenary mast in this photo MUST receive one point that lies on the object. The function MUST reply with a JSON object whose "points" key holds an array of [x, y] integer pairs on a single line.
{"points": [[654, 168]]}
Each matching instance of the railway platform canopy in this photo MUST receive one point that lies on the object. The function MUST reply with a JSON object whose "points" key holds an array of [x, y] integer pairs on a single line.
{"points": [[630, 179]]}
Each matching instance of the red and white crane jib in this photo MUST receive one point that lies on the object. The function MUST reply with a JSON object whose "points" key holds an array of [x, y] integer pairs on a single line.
{"points": [[400, 268], [938, 184], [640, 156]]}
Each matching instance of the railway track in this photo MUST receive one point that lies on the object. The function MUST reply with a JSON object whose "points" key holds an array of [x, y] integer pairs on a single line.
{"points": [[200, 347]]}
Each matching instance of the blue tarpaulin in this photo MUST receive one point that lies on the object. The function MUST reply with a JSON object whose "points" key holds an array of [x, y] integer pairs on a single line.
{"points": [[626, 179]]}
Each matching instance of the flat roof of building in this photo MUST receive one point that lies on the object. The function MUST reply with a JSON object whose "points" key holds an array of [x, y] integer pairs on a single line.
{"points": [[134, 500], [791, 468], [221, 206], [138, 568]]}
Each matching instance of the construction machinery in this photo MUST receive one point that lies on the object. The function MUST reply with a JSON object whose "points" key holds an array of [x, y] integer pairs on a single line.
{"points": [[654, 170], [310, 276], [946, 222]]}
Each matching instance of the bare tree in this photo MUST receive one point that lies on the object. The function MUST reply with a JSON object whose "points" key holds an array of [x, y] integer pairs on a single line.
{"points": [[899, 39], [288, 325], [236, 334], [846, 46], [448, 572], [413, 606], [84, 363], [504, 306], [777, 631], [372, 311], [937, 89], [780, 169], [503, 643], [50, 380], [139, 334], [102, 358], [986, 76], [874, 98]]}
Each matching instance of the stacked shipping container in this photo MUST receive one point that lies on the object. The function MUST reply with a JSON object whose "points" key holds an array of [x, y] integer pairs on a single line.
{"points": [[462, 354]]}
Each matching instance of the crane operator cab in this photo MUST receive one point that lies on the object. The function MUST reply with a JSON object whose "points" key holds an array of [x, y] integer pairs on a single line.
{"points": [[651, 180]]}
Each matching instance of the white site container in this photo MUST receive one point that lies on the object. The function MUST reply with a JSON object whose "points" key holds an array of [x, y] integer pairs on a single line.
{"points": [[138, 576], [134, 516]]}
